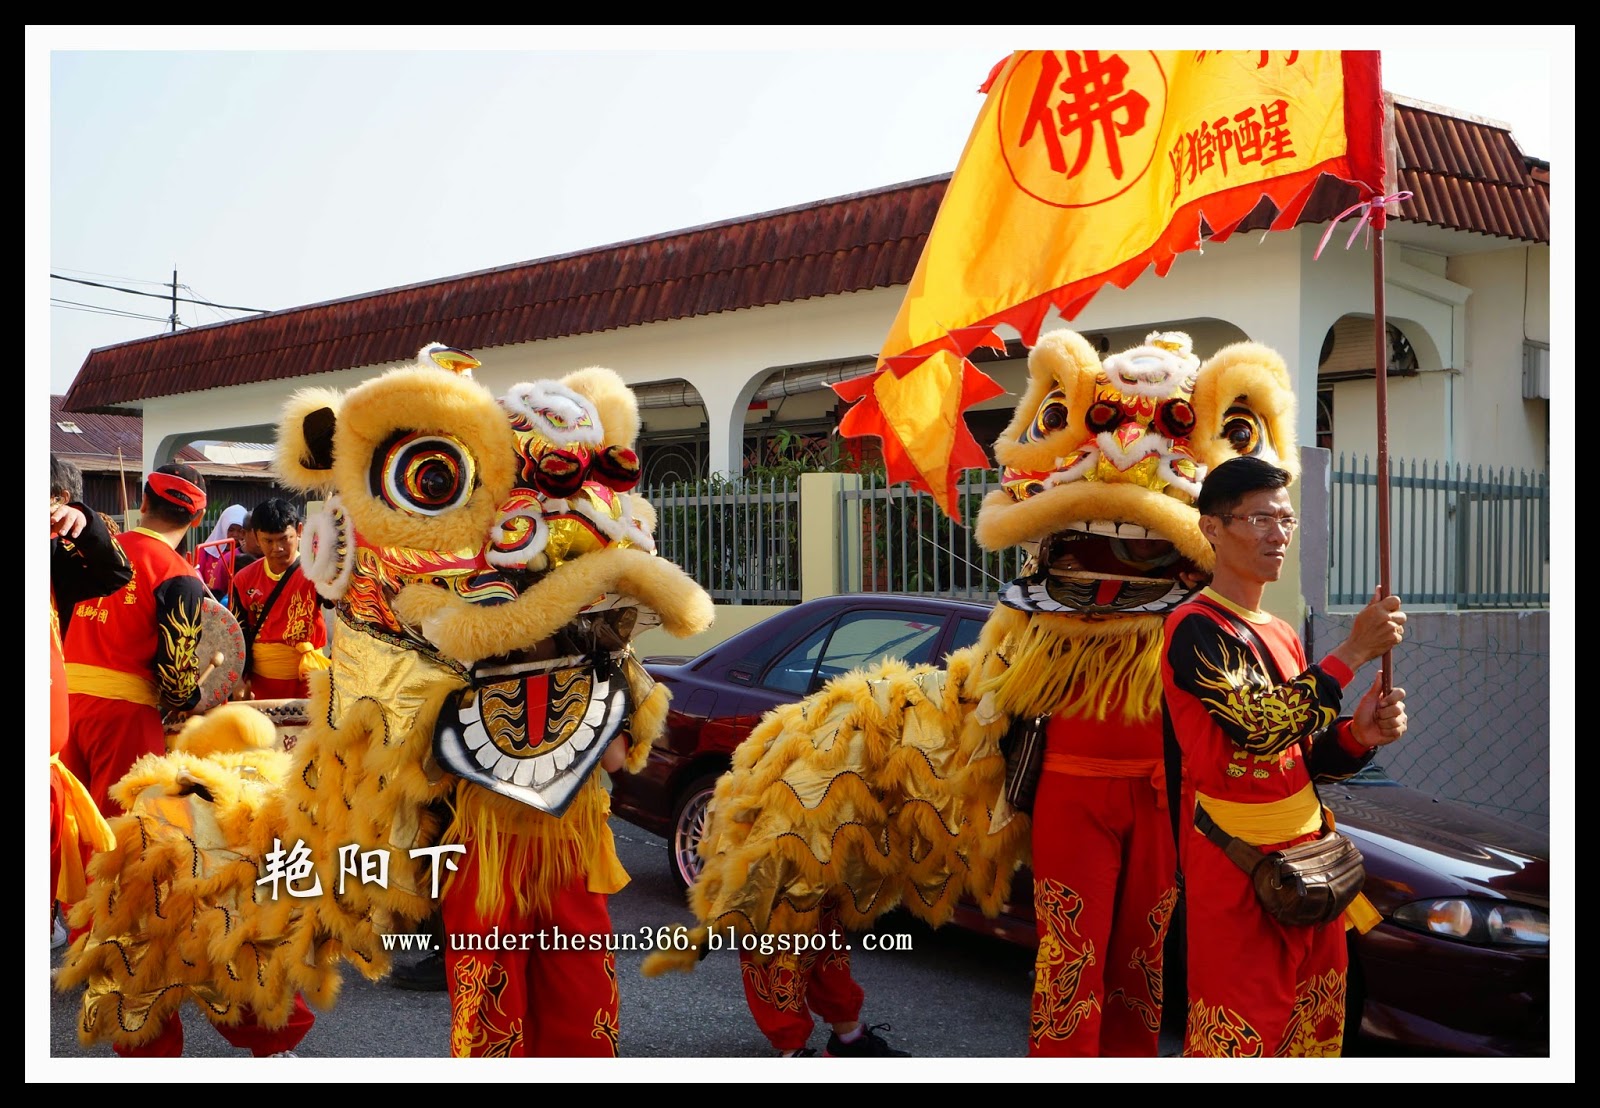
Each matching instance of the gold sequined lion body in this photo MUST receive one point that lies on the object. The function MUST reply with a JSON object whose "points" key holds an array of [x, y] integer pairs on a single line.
{"points": [[487, 569], [886, 787]]}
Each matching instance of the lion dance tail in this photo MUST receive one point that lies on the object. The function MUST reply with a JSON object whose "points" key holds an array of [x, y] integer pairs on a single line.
{"points": [[182, 907], [880, 790]]}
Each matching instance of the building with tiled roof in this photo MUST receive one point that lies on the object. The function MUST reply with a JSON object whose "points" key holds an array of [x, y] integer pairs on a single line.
{"points": [[108, 448], [731, 330]]}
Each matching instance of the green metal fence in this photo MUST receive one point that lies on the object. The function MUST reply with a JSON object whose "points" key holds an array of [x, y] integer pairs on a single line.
{"points": [[902, 542], [738, 539], [1459, 536]]}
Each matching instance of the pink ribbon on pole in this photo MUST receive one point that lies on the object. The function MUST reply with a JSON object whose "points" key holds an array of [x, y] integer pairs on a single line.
{"points": [[1365, 208]]}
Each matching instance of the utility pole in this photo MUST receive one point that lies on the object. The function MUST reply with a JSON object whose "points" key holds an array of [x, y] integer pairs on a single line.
{"points": [[174, 319]]}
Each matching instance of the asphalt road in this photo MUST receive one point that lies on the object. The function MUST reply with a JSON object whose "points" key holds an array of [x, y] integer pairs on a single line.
{"points": [[954, 1000]]}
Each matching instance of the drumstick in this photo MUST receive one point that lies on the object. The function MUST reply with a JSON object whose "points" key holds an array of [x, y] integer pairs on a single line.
{"points": [[216, 660]]}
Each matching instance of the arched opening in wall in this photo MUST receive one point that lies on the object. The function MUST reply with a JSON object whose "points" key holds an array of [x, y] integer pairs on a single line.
{"points": [[671, 463], [672, 442], [236, 465], [1325, 418], [790, 426], [797, 446], [793, 421], [1348, 353]]}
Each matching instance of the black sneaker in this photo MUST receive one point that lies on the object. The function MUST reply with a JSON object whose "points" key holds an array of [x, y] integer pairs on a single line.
{"points": [[423, 976], [870, 1045]]}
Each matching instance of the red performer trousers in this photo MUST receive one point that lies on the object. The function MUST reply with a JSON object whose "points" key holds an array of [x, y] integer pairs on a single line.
{"points": [[106, 738], [1257, 988], [518, 1000], [250, 1035], [783, 992], [1103, 891]]}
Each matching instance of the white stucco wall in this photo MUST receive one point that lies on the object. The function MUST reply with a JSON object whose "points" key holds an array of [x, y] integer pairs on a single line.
{"points": [[1466, 316], [1510, 303], [1268, 288]]}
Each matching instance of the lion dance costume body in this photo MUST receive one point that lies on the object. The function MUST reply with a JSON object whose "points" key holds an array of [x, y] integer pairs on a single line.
{"points": [[886, 787], [488, 570]]}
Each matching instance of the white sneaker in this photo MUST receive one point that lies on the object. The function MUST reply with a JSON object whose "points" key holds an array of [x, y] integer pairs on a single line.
{"points": [[284, 1054], [58, 933]]}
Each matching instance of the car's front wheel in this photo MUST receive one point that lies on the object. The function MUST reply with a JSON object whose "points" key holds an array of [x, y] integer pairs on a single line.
{"points": [[688, 826]]}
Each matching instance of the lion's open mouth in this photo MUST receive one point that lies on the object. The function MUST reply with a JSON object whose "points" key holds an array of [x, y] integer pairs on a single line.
{"points": [[1103, 568]]}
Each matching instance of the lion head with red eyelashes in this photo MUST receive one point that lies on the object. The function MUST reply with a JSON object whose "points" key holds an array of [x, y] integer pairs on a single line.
{"points": [[1103, 462]]}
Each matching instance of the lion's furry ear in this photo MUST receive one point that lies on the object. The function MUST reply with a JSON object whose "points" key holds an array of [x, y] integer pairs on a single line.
{"points": [[303, 458], [612, 398], [1062, 365], [1255, 379]]}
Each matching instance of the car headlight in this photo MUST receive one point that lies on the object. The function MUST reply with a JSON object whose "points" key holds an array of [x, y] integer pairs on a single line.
{"points": [[1486, 922]]}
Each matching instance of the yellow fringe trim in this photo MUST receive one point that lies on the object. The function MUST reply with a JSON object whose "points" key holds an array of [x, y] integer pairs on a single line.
{"points": [[1068, 667], [531, 852]]}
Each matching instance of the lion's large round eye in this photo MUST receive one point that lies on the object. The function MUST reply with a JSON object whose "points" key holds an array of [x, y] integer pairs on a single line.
{"points": [[1242, 429], [424, 474], [1050, 418]]}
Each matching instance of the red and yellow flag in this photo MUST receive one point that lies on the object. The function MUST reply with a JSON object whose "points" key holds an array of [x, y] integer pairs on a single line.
{"points": [[1084, 168]]}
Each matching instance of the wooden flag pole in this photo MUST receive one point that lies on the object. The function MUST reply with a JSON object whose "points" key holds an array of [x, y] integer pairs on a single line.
{"points": [[122, 486], [1381, 333], [1373, 216]]}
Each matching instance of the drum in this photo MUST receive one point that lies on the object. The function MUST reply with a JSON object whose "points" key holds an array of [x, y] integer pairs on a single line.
{"points": [[221, 654], [288, 716]]}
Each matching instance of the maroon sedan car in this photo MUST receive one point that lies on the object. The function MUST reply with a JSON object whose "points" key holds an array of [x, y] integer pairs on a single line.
{"points": [[1459, 965]]}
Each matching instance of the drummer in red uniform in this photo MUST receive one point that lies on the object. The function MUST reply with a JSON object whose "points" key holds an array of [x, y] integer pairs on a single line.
{"points": [[133, 656], [278, 609]]}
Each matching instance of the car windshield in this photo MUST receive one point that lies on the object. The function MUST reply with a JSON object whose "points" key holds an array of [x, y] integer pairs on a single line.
{"points": [[857, 640]]}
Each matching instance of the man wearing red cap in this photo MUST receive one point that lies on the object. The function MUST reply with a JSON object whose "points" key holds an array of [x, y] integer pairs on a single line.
{"points": [[132, 657]]}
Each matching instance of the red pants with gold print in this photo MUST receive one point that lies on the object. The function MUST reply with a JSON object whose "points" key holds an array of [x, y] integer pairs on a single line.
{"points": [[524, 1003], [783, 992], [247, 1034], [1257, 988], [1103, 894]]}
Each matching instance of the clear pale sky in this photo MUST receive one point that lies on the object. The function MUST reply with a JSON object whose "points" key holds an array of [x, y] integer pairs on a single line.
{"points": [[280, 166]]}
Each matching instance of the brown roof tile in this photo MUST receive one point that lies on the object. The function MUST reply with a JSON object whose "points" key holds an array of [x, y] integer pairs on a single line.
{"points": [[1464, 175]]}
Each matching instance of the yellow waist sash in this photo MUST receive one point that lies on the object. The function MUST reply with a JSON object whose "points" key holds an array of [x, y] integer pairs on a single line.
{"points": [[282, 661], [1278, 821], [1272, 821], [111, 684]]}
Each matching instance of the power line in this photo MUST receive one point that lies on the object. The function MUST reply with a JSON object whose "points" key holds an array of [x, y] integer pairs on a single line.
{"points": [[100, 310], [157, 295], [115, 277]]}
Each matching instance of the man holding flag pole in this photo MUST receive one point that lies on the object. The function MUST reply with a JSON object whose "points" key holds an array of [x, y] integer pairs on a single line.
{"points": [[1084, 168]]}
